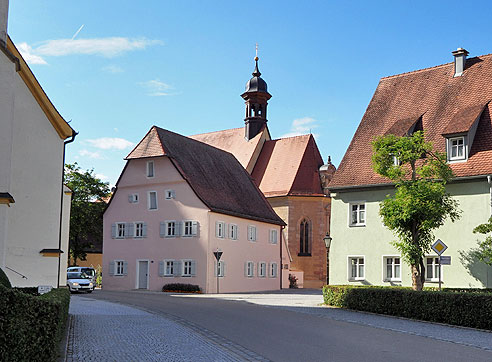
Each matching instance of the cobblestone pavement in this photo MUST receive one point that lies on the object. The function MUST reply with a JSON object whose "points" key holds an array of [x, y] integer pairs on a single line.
{"points": [[105, 331], [309, 301]]}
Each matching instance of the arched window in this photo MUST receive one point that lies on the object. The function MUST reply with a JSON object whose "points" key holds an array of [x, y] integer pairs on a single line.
{"points": [[304, 238]]}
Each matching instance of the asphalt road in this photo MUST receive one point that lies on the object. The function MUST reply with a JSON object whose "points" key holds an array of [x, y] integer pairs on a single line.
{"points": [[281, 334]]}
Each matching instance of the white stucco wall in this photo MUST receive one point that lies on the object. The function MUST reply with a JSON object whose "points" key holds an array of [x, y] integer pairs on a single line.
{"points": [[372, 241], [31, 172], [67, 200]]}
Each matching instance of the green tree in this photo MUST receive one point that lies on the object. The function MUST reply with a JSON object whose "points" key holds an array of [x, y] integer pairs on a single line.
{"points": [[484, 252], [420, 203], [86, 213]]}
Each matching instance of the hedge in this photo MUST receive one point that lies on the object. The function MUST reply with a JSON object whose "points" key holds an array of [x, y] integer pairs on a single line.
{"points": [[183, 288], [31, 327], [452, 307]]}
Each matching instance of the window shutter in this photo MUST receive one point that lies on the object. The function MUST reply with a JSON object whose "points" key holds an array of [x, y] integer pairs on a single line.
{"points": [[223, 268], [161, 268], [125, 268], [178, 266], [173, 194], [217, 229], [215, 268], [162, 229], [179, 228], [111, 268], [144, 230], [245, 268], [130, 198], [229, 231], [193, 268], [258, 269], [113, 231], [129, 230], [237, 232], [194, 228], [254, 233]]}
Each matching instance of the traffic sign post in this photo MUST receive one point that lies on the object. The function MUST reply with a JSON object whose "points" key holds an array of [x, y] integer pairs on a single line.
{"points": [[218, 255], [439, 247]]}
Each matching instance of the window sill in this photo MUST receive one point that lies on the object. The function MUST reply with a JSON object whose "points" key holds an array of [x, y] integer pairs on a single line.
{"points": [[392, 280], [357, 279], [356, 225], [304, 254], [433, 281]]}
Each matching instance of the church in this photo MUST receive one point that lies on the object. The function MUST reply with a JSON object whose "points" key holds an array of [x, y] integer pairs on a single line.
{"points": [[291, 174]]}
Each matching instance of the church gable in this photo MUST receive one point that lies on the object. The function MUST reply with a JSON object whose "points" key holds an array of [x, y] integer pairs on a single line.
{"points": [[307, 180]]}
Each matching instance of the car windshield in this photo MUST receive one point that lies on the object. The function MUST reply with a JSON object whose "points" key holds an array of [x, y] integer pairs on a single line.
{"points": [[78, 276]]}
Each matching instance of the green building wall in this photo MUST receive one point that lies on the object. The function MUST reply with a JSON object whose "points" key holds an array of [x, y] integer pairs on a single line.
{"points": [[372, 241]]}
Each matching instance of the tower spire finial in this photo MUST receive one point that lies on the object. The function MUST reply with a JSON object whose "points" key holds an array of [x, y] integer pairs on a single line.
{"points": [[256, 48], [256, 72]]}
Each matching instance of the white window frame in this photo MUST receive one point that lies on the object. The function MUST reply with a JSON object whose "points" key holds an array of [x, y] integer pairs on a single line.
{"points": [[233, 232], [220, 268], [220, 229], [184, 267], [118, 224], [450, 147], [358, 204], [167, 224], [435, 269], [252, 233], [250, 269], [262, 269], [273, 270], [273, 236], [149, 200], [190, 234], [350, 277], [393, 268], [148, 168], [170, 194], [119, 264], [135, 229], [133, 198], [171, 264]]}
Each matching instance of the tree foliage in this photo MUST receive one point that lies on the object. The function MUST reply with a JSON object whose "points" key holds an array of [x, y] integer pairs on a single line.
{"points": [[484, 251], [87, 209], [420, 203]]}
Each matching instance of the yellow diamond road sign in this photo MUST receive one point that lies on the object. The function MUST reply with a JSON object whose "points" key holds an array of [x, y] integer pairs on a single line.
{"points": [[439, 247]]}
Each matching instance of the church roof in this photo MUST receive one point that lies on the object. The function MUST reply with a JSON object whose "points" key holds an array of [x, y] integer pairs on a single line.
{"points": [[233, 141], [215, 176], [289, 166], [447, 104]]}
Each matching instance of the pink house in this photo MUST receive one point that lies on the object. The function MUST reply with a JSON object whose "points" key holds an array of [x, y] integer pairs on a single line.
{"points": [[178, 201]]}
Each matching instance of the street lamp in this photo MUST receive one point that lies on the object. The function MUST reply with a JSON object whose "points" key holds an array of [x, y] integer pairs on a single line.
{"points": [[327, 239]]}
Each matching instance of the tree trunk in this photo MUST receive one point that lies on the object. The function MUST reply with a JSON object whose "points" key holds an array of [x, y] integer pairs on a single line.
{"points": [[416, 277]]}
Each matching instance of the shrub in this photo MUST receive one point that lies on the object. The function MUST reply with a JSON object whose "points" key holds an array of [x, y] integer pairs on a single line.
{"points": [[181, 288], [452, 307], [31, 327], [4, 279]]}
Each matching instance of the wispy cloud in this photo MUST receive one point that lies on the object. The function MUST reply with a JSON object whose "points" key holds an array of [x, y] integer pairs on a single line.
{"points": [[108, 143], [27, 53], [106, 47], [102, 177], [156, 88], [302, 126], [113, 69], [87, 153]]}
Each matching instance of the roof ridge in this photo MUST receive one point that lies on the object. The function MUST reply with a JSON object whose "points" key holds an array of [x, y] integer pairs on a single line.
{"points": [[228, 129], [428, 68], [296, 136]]}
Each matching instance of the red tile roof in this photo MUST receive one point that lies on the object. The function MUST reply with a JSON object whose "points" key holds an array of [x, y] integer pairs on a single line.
{"points": [[215, 176], [441, 99], [289, 166], [233, 141]]}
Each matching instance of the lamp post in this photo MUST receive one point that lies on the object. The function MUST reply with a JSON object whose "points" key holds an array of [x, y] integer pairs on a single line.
{"points": [[327, 239]]}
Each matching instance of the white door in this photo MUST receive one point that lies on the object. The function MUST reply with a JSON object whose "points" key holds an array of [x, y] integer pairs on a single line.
{"points": [[143, 274]]}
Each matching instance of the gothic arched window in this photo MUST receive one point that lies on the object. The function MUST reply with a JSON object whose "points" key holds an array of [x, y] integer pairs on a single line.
{"points": [[304, 238]]}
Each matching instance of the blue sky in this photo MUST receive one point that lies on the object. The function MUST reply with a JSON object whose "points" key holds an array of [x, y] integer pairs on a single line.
{"points": [[182, 65]]}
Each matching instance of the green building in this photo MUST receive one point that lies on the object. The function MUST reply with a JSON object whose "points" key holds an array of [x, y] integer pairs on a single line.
{"points": [[450, 103]]}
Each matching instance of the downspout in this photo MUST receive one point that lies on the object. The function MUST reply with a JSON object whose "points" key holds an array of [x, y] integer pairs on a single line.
{"points": [[489, 181], [74, 134], [282, 227]]}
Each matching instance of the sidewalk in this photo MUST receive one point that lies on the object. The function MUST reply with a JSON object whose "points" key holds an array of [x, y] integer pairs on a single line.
{"points": [[104, 331]]}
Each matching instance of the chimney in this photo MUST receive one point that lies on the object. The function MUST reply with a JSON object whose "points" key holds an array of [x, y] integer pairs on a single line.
{"points": [[4, 12], [459, 61]]}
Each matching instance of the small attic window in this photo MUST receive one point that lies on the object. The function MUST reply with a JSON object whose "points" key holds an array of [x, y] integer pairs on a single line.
{"points": [[457, 149], [150, 169]]}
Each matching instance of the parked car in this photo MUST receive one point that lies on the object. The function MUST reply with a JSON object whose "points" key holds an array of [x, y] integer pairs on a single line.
{"points": [[79, 281], [83, 269]]}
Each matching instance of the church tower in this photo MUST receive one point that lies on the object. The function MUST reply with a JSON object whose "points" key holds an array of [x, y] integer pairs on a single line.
{"points": [[256, 98]]}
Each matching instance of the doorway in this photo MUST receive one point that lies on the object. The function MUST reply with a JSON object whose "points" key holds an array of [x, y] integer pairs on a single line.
{"points": [[143, 274]]}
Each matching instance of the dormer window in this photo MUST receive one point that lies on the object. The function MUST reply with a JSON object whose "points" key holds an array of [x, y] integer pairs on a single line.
{"points": [[457, 149]]}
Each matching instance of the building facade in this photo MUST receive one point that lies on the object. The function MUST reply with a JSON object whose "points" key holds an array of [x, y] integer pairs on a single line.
{"points": [[176, 203], [450, 103], [34, 207]]}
